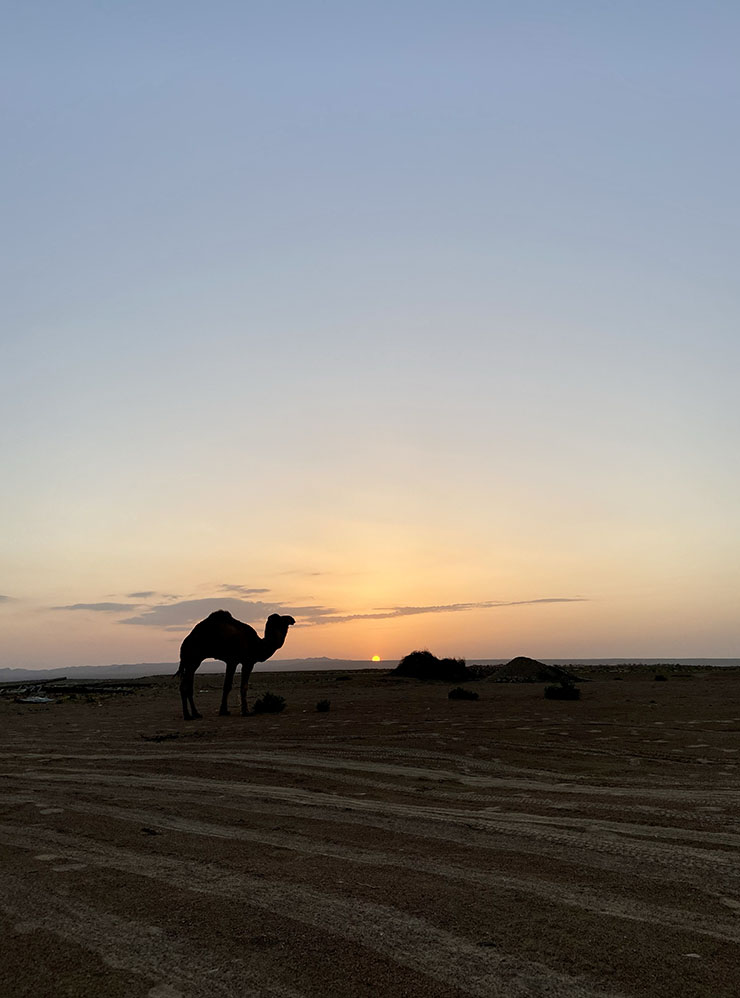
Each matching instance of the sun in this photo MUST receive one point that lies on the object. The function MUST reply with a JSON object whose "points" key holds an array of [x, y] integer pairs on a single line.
{"points": [[375, 658]]}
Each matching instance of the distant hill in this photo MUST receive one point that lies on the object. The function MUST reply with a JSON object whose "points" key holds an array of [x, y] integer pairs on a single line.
{"points": [[136, 671]]}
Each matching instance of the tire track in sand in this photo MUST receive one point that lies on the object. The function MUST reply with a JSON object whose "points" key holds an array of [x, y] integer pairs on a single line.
{"points": [[706, 878], [297, 763], [407, 940], [601, 903], [646, 848], [171, 966]]}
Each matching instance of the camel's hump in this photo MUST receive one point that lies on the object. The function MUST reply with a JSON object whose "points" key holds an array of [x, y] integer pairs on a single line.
{"points": [[218, 620], [217, 615]]}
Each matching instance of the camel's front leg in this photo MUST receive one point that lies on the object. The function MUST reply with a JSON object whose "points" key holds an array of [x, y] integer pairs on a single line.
{"points": [[228, 682], [246, 673], [187, 675], [186, 695]]}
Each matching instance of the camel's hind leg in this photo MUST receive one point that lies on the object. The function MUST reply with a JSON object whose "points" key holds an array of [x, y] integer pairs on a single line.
{"points": [[187, 675], [246, 673], [228, 682]]}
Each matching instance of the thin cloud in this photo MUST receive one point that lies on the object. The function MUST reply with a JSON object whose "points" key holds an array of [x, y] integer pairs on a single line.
{"points": [[100, 607], [188, 612], [386, 613], [6, 599], [301, 572], [147, 594], [176, 614], [227, 587]]}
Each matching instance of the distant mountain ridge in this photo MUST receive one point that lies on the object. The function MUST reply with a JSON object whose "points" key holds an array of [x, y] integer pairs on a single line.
{"points": [[317, 664], [137, 670]]}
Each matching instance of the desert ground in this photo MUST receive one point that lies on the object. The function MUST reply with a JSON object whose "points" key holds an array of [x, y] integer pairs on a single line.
{"points": [[402, 844]]}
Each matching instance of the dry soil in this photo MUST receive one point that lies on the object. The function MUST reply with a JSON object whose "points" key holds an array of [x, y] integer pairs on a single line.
{"points": [[402, 844]]}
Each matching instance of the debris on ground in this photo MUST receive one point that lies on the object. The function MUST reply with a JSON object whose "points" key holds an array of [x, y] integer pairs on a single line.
{"points": [[58, 690]]}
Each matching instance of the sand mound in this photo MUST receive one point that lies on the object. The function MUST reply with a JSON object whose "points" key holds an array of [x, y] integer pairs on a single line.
{"points": [[528, 670]]}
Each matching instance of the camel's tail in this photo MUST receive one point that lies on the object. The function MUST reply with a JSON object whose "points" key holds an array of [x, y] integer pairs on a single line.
{"points": [[179, 672]]}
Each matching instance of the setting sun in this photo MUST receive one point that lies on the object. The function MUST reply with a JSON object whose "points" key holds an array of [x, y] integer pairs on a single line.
{"points": [[375, 658]]}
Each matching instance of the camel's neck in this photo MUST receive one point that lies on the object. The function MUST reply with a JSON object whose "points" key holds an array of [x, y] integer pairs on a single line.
{"points": [[270, 644]]}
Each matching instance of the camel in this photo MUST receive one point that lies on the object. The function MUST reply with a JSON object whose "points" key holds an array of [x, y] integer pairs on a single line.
{"points": [[222, 636]]}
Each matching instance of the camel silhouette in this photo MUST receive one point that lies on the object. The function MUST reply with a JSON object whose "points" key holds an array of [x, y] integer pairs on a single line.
{"points": [[222, 636]]}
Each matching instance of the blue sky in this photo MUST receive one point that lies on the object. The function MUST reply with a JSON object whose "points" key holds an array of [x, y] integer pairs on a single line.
{"points": [[372, 305]]}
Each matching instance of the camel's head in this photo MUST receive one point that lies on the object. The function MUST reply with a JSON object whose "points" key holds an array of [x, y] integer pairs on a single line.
{"points": [[277, 627]]}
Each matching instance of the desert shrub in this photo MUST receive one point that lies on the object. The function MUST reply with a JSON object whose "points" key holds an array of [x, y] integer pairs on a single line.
{"points": [[565, 691], [460, 694], [323, 705], [269, 703], [659, 678], [424, 665]]}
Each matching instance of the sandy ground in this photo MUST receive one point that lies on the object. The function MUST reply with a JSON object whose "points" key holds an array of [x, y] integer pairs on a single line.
{"points": [[400, 845]]}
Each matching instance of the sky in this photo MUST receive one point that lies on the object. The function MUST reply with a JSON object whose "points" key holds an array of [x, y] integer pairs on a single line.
{"points": [[415, 320]]}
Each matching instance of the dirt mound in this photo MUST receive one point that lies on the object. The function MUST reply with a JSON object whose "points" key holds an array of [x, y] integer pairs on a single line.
{"points": [[424, 665], [528, 670]]}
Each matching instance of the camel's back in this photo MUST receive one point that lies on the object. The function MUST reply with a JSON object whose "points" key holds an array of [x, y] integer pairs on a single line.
{"points": [[219, 636]]}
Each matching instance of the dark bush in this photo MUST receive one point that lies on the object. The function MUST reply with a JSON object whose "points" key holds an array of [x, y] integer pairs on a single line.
{"points": [[460, 694], [424, 665], [269, 703], [323, 705], [660, 679], [565, 691]]}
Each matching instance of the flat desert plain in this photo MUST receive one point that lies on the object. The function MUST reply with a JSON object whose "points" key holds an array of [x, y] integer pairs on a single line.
{"points": [[402, 844]]}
